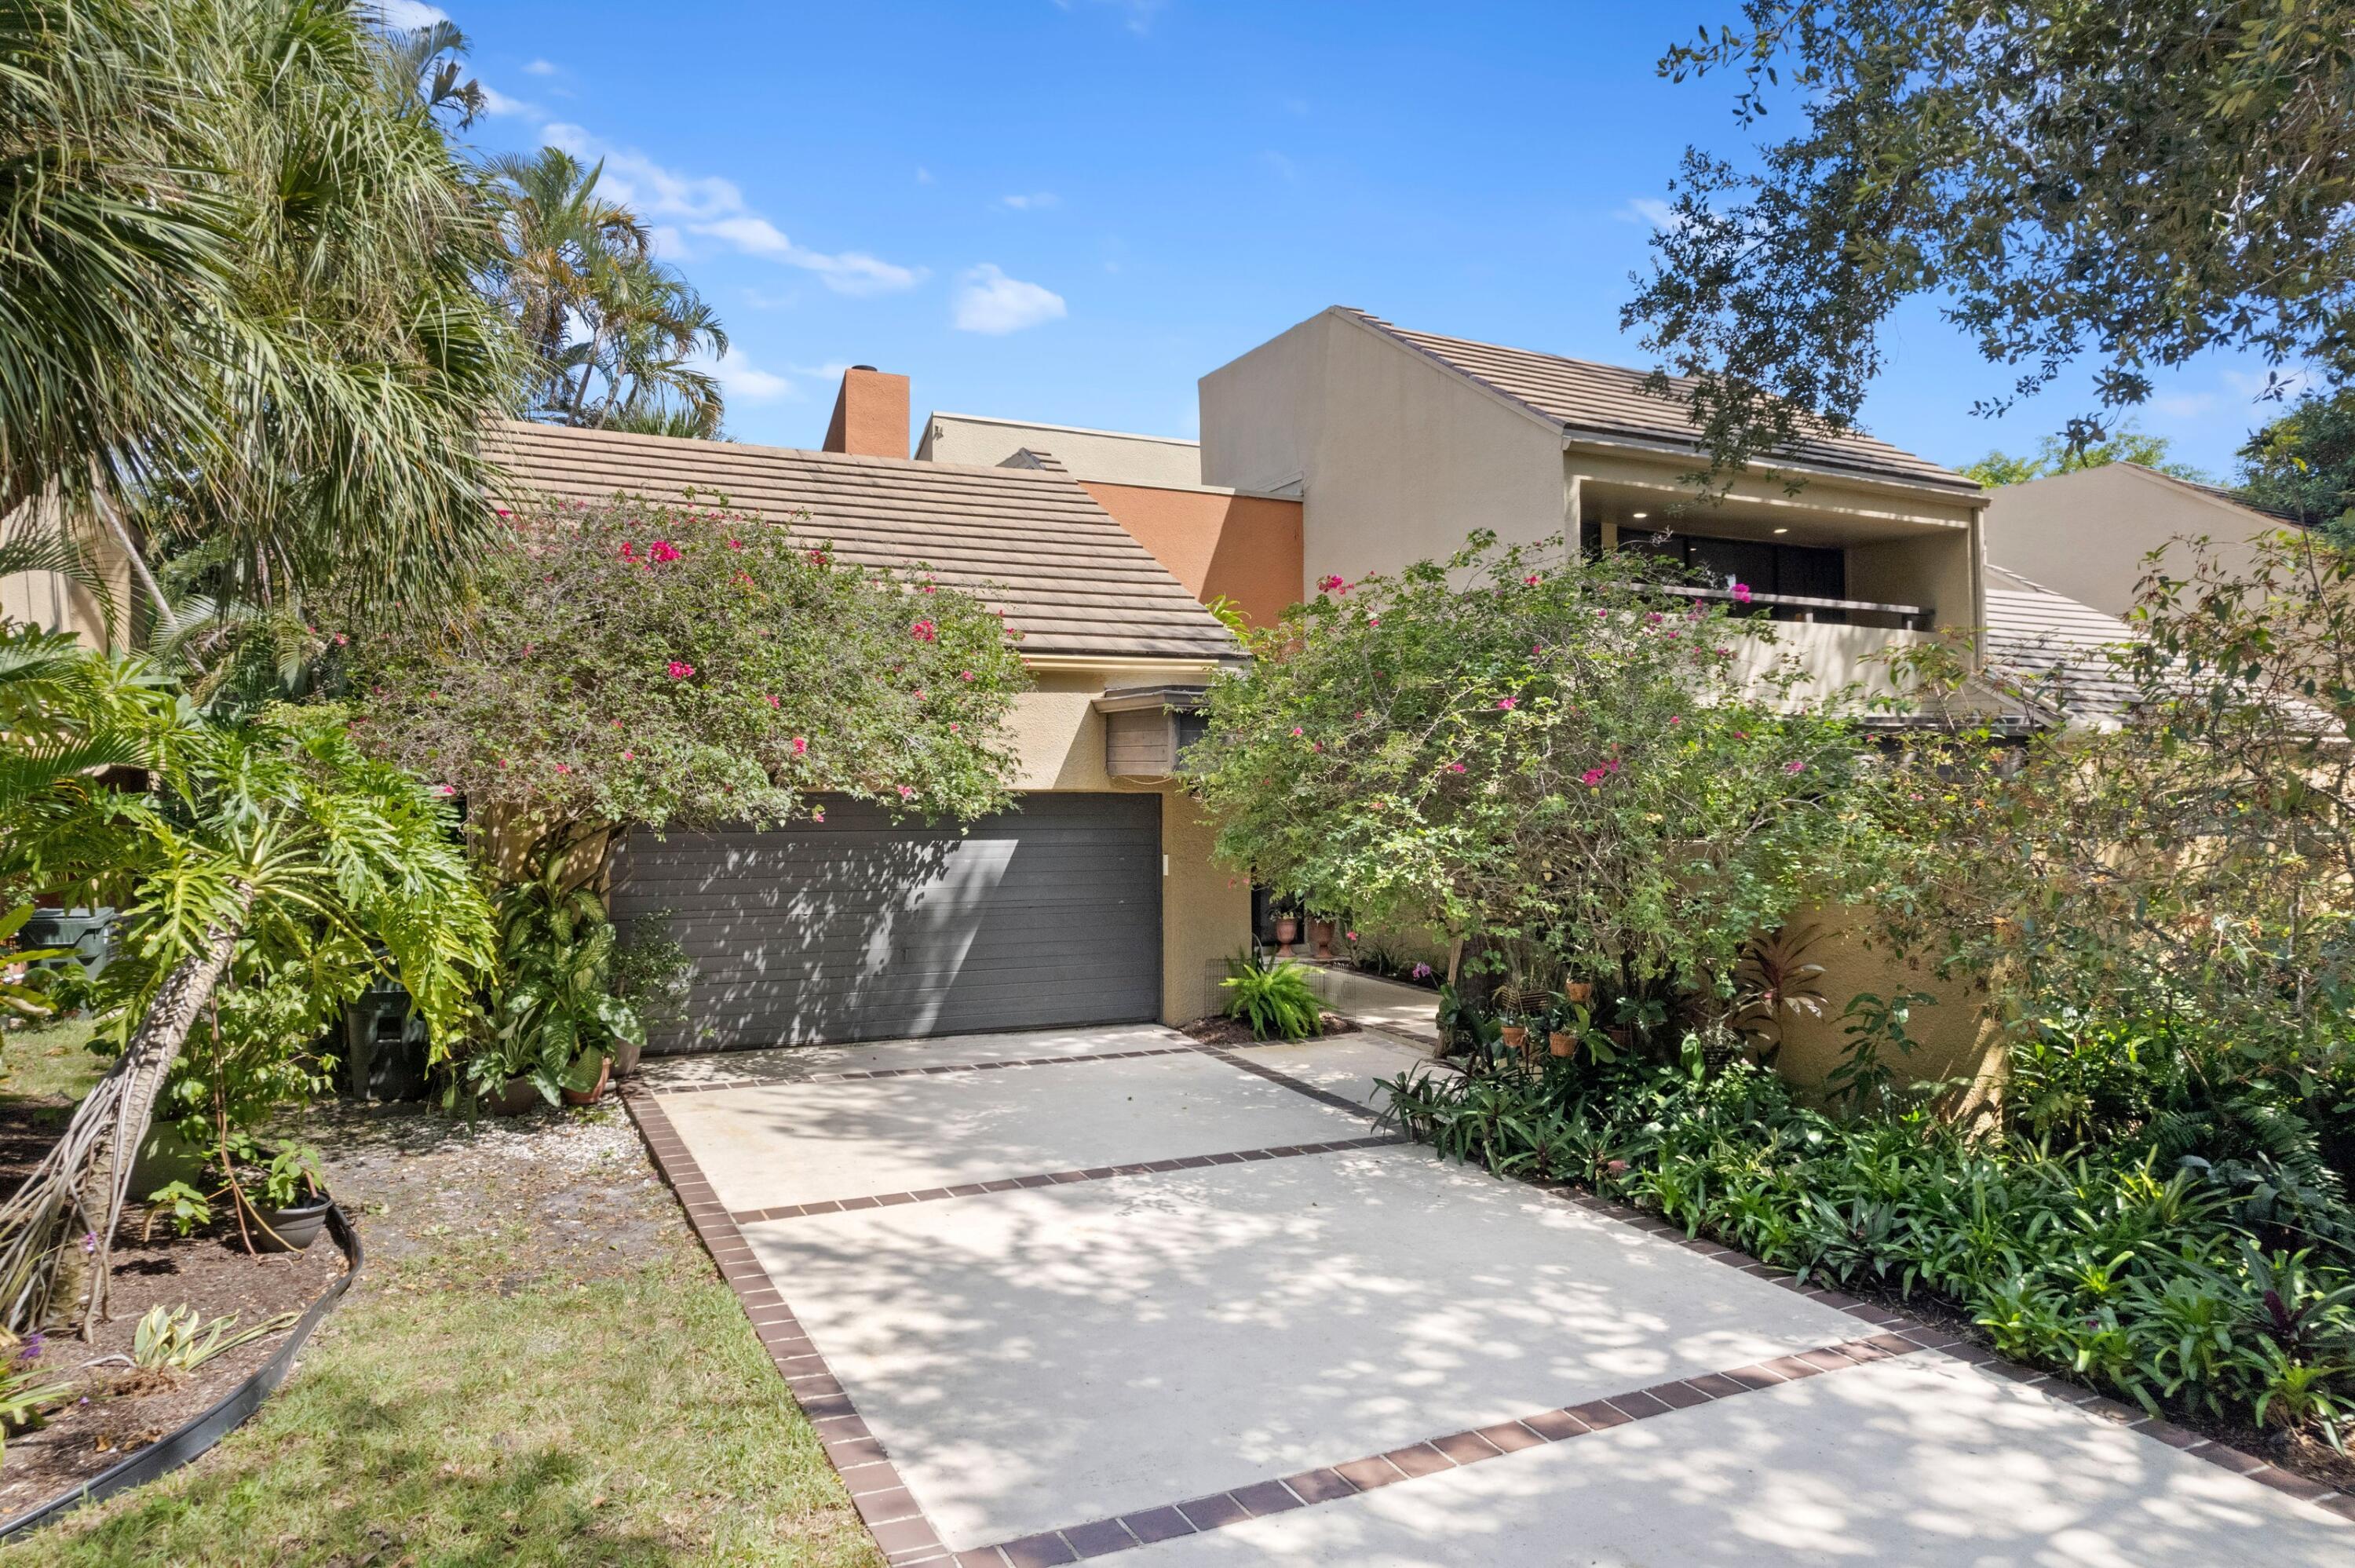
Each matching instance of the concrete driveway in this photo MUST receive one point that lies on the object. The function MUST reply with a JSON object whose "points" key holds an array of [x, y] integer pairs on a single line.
{"points": [[1050, 1296]]}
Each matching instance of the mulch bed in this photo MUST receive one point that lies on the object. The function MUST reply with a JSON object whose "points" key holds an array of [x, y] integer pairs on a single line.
{"points": [[118, 1411], [1217, 1031]]}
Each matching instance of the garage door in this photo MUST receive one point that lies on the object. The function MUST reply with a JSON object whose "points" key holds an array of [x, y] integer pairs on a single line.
{"points": [[861, 929]]}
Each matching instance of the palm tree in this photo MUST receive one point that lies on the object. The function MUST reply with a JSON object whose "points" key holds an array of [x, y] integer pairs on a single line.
{"points": [[238, 297], [586, 293]]}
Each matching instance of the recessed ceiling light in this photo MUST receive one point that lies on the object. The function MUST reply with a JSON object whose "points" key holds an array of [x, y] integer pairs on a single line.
{"points": [[1782, 530], [1639, 516]]}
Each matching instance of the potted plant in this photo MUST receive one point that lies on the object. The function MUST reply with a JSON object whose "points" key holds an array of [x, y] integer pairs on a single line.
{"points": [[286, 1200], [1568, 1021], [1321, 930], [555, 1004], [1515, 1029], [1287, 932], [585, 1084]]}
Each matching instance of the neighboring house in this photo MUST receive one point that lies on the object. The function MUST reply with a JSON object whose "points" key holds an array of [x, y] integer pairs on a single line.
{"points": [[2087, 533], [2054, 654], [1221, 542], [1094, 901], [1399, 444], [55, 603]]}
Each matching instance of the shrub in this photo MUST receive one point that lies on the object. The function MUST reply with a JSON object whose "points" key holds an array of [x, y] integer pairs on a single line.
{"points": [[2114, 1265], [1274, 997]]}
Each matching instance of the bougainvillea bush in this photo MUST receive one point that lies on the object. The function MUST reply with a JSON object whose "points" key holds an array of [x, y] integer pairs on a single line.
{"points": [[649, 663], [1555, 755]]}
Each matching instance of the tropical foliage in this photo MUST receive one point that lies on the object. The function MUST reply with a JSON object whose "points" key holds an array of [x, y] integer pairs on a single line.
{"points": [[1562, 757], [241, 301], [1272, 996], [620, 338], [557, 1011], [648, 663], [2303, 464], [2121, 1263], [271, 870], [2125, 186], [2054, 454]]}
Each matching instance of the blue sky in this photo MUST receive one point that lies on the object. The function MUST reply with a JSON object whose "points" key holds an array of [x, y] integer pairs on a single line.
{"points": [[1066, 210]]}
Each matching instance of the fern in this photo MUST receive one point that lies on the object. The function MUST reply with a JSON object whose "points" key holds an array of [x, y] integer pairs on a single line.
{"points": [[1272, 996]]}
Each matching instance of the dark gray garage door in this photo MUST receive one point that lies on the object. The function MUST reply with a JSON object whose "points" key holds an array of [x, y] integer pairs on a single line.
{"points": [[860, 928]]}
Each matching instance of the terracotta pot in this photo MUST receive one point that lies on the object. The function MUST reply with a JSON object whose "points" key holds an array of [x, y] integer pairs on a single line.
{"points": [[1562, 1044], [594, 1092], [1580, 992], [1517, 1039], [1287, 931], [1622, 1036], [1320, 936], [518, 1097]]}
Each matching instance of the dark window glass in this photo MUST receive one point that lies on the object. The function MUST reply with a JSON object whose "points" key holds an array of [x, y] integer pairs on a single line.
{"points": [[1725, 562], [1810, 573]]}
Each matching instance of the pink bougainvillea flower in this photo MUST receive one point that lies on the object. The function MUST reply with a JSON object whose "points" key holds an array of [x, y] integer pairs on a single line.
{"points": [[1537, 648], [504, 513], [1593, 776], [1652, 618], [965, 675], [629, 757], [445, 789], [905, 792], [1315, 746], [564, 768], [1373, 620], [955, 728], [629, 551], [735, 544], [925, 631], [617, 723], [1330, 584], [679, 669], [817, 557], [919, 694], [663, 551], [1455, 767], [1351, 936], [801, 745], [769, 699], [1531, 580], [1295, 729], [818, 814], [1741, 734], [1794, 765], [1676, 718], [1509, 704], [1742, 593]]}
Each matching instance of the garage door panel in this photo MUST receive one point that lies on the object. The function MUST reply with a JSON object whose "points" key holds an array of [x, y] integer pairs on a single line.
{"points": [[861, 929]]}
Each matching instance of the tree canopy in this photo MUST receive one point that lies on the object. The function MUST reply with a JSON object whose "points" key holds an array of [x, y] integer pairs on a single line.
{"points": [[2123, 186], [2055, 455], [2303, 464], [241, 297]]}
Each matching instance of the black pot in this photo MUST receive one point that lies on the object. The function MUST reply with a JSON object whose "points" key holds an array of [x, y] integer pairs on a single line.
{"points": [[291, 1230]]}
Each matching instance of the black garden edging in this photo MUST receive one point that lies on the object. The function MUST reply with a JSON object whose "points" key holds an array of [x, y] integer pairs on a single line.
{"points": [[168, 1453]]}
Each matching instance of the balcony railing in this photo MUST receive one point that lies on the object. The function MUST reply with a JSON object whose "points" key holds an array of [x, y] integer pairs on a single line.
{"points": [[1802, 608]]}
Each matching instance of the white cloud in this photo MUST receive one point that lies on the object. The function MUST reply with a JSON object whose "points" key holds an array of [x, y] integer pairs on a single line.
{"points": [[1140, 13], [987, 300], [539, 67], [410, 14], [709, 206], [1030, 203], [740, 380], [668, 244], [497, 103], [1648, 210]]}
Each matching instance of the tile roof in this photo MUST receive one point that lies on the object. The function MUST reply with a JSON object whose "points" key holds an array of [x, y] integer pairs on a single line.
{"points": [[1030, 541], [1610, 401], [2054, 652]]}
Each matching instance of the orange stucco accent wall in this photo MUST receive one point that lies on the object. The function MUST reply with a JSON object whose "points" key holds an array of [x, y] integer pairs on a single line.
{"points": [[1244, 547]]}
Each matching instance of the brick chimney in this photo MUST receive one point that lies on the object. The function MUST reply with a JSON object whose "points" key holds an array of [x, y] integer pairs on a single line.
{"points": [[870, 415]]}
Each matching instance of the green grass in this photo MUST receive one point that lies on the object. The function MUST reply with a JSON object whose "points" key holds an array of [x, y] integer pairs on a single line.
{"points": [[53, 1061], [627, 1419]]}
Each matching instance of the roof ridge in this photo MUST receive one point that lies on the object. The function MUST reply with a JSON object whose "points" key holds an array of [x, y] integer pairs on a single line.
{"points": [[653, 442]]}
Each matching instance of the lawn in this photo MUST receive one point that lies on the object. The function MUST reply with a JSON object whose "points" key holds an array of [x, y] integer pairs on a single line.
{"points": [[537, 1366]]}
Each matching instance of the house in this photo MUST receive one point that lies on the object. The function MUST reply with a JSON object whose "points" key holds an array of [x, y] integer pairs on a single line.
{"points": [[1220, 542], [2086, 535], [1094, 901], [1399, 444]]}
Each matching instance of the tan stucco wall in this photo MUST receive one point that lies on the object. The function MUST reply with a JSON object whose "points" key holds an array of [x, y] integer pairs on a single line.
{"points": [[1954, 1037], [1205, 909], [1243, 548], [1395, 458], [1831, 657], [2085, 534], [50, 601]]}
